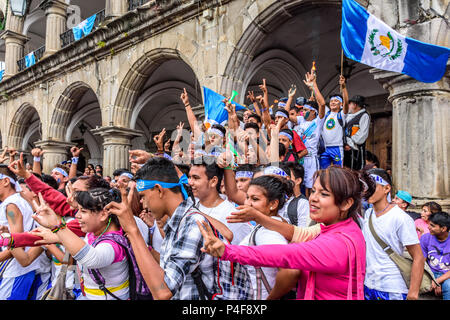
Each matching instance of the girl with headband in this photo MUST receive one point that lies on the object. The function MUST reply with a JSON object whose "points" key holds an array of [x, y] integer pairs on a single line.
{"points": [[383, 279], [92, 253], [335, 259]]}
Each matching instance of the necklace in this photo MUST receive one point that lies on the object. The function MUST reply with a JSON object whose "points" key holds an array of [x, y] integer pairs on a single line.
{"points": [[378, 213], [109, 222]]}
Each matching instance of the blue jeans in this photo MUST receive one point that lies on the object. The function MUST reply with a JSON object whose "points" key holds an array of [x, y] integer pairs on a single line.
{"points": [[445, 286]]}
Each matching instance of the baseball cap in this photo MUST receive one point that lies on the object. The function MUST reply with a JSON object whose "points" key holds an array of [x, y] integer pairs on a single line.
{"points": [[404, 195]]}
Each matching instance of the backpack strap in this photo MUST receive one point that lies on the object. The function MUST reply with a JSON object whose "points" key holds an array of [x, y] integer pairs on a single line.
{"points": [[292, 211], [260, 276]]}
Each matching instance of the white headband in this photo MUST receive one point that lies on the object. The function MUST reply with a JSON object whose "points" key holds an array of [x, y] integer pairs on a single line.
{"points": [[281, 104], [14, 182], [59, 170], [127, 174], [244, 174], [216, 131], [280, 114], [276, 171], [378, 179]]}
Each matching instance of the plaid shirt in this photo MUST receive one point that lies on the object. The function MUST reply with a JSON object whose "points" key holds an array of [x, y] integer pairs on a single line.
{"points": [[181, 255]]}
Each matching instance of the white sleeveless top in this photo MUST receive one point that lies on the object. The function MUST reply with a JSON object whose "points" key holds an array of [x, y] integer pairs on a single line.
{"points": [[14, 268]]}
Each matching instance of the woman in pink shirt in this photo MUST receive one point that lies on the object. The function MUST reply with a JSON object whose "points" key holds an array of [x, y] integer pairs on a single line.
{"points": [[332, 265], [424, 220]]}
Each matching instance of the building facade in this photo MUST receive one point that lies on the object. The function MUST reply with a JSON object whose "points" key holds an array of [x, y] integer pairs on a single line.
{"points": [[118, 84]]}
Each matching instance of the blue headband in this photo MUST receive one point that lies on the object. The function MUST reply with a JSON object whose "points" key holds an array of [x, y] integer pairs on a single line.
{"points": [[337, 98], [244, 174], [127, 174], [282, 133], [59, 170], [276, 171], [307, 106], [143, 185]]}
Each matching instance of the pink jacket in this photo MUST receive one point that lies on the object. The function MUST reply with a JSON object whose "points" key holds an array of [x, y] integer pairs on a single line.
{"points": [[324, 261]]}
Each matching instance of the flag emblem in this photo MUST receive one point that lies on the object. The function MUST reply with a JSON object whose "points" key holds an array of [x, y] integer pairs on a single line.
{"points": [[385, 45]]}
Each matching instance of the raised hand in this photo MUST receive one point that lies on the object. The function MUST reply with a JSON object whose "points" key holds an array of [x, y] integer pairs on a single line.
{"points": [[263, 86], [292, 90], [45, 216], [76, 151], [37, 152], [123, 212], [139, 156], [251, 96], [159, 139], [310, 78], [3, 156], [148, 218], [342, 81], [185, 97], [18, 168], [211, 244]]}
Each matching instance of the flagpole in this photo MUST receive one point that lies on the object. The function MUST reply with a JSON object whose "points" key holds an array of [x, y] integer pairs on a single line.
{"points": [[342, 65]]}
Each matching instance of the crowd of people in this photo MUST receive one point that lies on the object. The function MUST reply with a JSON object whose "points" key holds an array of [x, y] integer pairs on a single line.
{"points": [[281, 202]]}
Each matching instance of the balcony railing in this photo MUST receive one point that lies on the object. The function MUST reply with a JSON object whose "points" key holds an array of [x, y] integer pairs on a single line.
{"points": [[133, 4], [31, 58], [68, 37]]}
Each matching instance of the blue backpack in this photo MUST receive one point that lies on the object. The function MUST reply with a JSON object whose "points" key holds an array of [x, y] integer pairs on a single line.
{"points": [[138, 288]]}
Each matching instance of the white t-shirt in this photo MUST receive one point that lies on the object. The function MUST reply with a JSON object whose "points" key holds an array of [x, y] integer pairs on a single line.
{"points": [[332, 131], [221, 212], [14, 269], [309, 132], [303, 217], [143, 228], [264, 236], [397, 230]]}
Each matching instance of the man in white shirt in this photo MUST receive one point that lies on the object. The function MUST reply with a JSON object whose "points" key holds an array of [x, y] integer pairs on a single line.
{"points": [[205, 179], [333, 128]]}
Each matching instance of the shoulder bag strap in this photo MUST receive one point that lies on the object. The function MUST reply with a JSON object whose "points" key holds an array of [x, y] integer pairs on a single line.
{"points": [[386, 248]]}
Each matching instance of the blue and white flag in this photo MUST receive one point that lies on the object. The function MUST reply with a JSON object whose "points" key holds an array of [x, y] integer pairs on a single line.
{"points": [[30, 59], [215, 112], [84, 28], [367, 39], [2, 73]]}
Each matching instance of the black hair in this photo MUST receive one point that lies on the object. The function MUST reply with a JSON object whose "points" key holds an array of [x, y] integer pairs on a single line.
{"points": [[48, 179], [335, 95], [281, 149], [344, 184], [6, 171], [433, 206], [285, 167], [297, 169], [382, 173], [441, 218], [245, 167], [159, 169], [295, 108], [251, 125], [313, 104], [276, 188], [254, 115], [372, 158], [360, 101], [118, 172], [211, 169], [184, 168], [96, 200]]}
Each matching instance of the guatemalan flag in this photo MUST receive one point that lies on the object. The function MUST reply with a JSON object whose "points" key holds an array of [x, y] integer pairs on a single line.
{"points": [[367, 39], [215, 112], [84, 28]]}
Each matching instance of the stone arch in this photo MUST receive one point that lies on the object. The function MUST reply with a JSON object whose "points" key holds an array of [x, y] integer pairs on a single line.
{"points": [[65, 109], [21, 126], [133, 82]]}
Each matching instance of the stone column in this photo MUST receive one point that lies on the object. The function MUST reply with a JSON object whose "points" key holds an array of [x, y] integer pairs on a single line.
{"points": [[116, 144], [56, 24], [14, 46], [55, 152], [115, 8], [421, 136]]}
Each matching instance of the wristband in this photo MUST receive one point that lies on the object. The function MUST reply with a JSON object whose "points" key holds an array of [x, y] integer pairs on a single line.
{"points": [[37, 159], [61, 226], [74, 160]]}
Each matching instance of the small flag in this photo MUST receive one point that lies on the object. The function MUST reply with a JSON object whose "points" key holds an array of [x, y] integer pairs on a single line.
{"points": [[367, 39], [215, 112], [84, 28], [30, 59]]}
